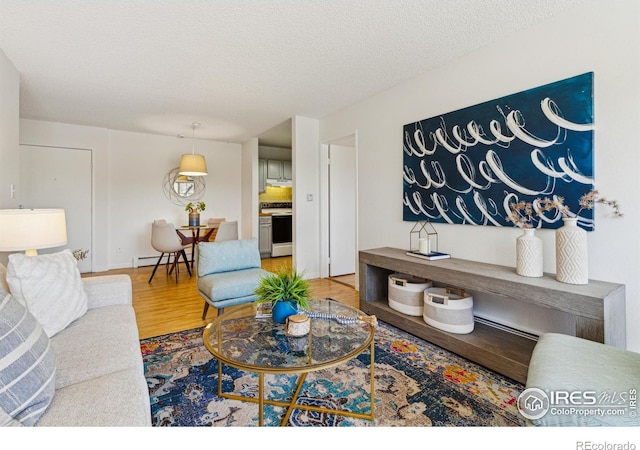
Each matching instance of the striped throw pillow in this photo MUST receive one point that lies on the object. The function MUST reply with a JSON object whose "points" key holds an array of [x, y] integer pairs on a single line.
{"points": [[27, 365]]}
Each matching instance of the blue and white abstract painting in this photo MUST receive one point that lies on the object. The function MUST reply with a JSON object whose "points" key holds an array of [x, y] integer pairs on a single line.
{"points": [[467, 166]]}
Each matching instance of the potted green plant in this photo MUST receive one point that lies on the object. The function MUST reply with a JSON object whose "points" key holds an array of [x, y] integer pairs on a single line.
{"points": [[286, 290], [194, 210]]}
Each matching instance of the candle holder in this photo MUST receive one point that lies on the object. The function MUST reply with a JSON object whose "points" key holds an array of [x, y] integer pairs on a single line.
{"points": [[423, 238]]}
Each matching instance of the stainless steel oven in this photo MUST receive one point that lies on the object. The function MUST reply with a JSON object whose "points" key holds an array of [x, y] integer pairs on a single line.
{"points": [[281, 227], [281, 234]]}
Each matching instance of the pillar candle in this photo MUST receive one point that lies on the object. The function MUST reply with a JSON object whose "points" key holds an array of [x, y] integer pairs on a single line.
{"points": [[423, 245]]}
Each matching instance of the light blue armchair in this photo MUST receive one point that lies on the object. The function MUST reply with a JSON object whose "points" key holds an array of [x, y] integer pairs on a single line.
{"points": [[228, 272]]}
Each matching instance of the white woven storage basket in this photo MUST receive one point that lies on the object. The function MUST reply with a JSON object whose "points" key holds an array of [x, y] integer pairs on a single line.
{"points": [[447, 311], [406, 293]]}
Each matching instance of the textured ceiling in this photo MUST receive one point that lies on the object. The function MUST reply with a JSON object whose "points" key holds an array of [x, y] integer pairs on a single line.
{"points": [[237, 67]]}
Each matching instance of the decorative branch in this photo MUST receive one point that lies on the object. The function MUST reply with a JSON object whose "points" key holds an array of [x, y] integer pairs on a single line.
{"points": [[586, 202]]}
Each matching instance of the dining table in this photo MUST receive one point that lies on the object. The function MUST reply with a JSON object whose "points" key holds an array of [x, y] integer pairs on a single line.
{"points": [[199, 233]]}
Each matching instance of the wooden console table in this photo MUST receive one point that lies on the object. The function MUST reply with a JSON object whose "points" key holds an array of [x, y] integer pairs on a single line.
{"points": [[598, 307]]}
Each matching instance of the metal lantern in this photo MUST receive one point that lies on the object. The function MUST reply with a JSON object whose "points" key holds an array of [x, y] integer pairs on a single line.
{"points": [[423, 234]]}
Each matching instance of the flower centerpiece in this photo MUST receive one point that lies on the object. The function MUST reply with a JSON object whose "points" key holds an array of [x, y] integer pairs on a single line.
{"points": [[194, 210], [286, 290]]}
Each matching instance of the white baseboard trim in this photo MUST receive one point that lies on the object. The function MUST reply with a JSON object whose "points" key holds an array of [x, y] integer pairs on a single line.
{"points": [[281, 250]]}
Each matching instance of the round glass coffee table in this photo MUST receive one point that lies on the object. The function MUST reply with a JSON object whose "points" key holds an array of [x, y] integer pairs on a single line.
{"points": [[338, 334]]}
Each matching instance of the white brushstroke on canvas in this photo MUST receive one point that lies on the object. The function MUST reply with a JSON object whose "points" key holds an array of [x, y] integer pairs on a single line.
{"points": [[496, 130], [571, 170], [418, 135], [462, 207], [461, 139], [476, 132], [496, 166], [549, 109], [516, 126], [467, 171], [538, 159], [442, 139], [440, 207], [482, 206]]}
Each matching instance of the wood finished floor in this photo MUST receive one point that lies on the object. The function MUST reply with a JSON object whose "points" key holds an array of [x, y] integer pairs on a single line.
{"points": [[348, 280], [164, 306]]}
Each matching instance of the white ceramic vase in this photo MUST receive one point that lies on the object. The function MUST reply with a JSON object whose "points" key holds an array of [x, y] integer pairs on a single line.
{"points": [[572, 265], [529, 254]]}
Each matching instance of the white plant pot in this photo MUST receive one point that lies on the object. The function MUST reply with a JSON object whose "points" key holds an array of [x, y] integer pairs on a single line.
{"points": [[529, 254], [572, 265]]}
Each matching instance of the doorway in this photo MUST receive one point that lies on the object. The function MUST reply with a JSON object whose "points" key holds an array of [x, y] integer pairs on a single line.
{"points": [[56, 177], [342, 211]]}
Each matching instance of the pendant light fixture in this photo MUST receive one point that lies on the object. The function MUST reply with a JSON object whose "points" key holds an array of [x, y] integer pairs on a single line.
{"points": [[192, 164]]}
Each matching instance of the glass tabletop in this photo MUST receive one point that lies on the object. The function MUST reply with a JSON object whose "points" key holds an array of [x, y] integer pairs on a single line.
{"points": [[241, 340]]}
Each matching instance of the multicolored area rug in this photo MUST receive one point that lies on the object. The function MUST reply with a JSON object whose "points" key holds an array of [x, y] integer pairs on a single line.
{"points": [[416, 384]]}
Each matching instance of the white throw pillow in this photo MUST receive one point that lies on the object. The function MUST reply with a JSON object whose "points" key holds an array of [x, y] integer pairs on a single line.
{"points": [[51, 287], [3, 278]]}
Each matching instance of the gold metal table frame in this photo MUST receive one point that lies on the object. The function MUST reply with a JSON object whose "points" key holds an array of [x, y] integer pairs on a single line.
{"points": [[214, 336]]}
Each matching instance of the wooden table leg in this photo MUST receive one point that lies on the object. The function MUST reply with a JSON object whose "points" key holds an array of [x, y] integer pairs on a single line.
{"points": [[193, 240], [196, 239]]}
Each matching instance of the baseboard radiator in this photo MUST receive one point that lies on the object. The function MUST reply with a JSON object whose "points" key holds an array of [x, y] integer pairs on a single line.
{"points": [[142, 261], [506, 328]]}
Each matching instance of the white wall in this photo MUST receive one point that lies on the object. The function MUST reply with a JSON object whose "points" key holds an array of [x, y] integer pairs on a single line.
{"points": [[128, 174], [602, 37], [33, 132], [250, 206], [137, 166], [306, 181], [9, 125]]}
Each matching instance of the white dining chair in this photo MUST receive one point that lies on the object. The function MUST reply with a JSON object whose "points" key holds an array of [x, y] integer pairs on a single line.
{"points": [[227, 231], [164, 239]]}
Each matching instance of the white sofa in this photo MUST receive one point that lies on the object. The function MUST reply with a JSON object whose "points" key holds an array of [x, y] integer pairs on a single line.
{"points": [[99, 375], [99, 372]]}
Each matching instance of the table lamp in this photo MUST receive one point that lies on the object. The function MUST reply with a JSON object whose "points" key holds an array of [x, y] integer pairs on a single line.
{"points": [[32, 229]]}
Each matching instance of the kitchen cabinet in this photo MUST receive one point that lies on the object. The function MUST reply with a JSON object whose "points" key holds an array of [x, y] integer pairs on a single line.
{"points": [[274, 169], [279, 170], [264, 236], [286, 170]]}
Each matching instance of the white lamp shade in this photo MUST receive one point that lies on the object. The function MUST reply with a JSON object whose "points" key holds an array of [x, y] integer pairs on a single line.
{"points": [[193, 165], [32, 229]]}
